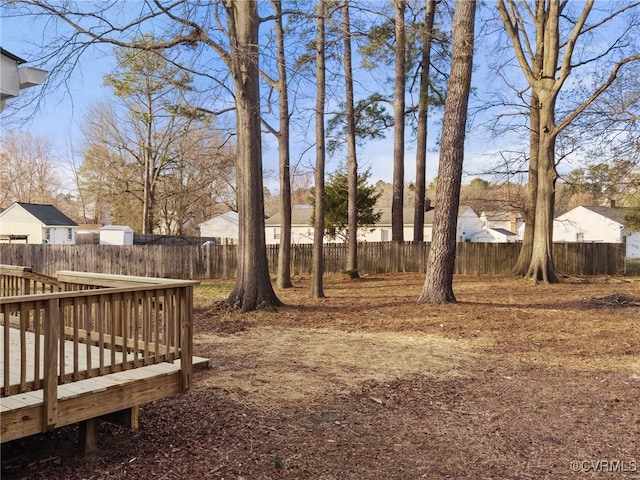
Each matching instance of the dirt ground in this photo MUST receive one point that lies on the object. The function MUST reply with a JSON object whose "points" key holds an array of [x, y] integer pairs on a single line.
{"points": [[516, 381]]}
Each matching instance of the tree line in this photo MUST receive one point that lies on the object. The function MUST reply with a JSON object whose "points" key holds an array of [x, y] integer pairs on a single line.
{"points": [[247, 59]]}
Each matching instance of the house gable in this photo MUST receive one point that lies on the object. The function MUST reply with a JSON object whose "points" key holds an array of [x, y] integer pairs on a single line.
{"points": [[48, 215], [223, 226], [39, 223], [590, 224]]}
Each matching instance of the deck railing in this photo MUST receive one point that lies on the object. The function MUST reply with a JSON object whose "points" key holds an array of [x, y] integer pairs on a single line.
{"points": [[23, 281], [94, 325]]}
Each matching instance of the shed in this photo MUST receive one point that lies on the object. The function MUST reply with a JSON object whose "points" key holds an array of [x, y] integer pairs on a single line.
{"points": [[116, 235]]}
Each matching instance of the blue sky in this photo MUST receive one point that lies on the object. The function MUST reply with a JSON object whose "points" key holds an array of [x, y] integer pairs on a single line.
{"points": [[59, 116]]}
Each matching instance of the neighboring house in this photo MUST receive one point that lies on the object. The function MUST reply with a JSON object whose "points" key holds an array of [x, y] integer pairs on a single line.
{"points": [[510, 221], [597, 224], [468, 223], [302, 229], [14, 78], [381, 231], [224, 227], [494, 235], [39, 223]]}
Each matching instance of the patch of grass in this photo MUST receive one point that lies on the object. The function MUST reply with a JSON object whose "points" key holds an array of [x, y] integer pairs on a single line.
{"points": [[278, 463], [352, 273], [632, 266], [210, 291]]}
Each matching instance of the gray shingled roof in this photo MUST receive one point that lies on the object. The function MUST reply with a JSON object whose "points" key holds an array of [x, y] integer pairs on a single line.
{"points": [[503, 231], [616, 214], [48, 214], [302, 216]]}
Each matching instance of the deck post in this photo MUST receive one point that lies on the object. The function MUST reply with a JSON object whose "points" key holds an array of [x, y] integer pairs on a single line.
{"points": [[88, 439], [186, 336], [51, 339]]}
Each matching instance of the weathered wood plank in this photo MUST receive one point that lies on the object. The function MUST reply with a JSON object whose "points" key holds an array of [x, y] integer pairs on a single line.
{"points": [[22, 415]]}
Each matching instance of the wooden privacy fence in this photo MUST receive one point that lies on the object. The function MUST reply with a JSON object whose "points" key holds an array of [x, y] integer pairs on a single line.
{"points": [[212, 261]]}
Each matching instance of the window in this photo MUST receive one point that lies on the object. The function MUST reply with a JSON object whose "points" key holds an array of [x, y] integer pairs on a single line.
{"points": [[385, 235], [69, 234], [47, 234], [276, 234], [579, 236]]}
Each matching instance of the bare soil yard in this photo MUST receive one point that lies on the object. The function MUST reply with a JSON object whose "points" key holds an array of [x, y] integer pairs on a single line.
{"points": [[517, 381]]}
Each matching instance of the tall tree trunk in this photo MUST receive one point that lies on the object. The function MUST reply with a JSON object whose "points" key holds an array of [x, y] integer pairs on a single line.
{"points": [[252, 288], [352, 161], [421, 135], [541, 267], [546, 75], [438, 286], [284, 251], [317, 290], [524, 258], [397, 205]]}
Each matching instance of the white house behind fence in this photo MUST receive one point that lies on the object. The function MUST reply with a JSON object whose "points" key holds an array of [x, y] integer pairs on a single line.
{"points": [[37, 223], [302, 228], [224, 227], [605, 224]]}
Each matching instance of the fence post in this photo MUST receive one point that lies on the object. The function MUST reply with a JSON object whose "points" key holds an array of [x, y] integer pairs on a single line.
{"points": [[186, 336]]}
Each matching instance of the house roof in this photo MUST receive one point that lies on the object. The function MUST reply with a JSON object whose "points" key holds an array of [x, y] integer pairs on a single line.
{"points": [[230, 217], [302, 216], [407, 216], [117, 228], [503, 231], [499, 216], [11, 56], [617, 214], [48, 214], [299, 216]]}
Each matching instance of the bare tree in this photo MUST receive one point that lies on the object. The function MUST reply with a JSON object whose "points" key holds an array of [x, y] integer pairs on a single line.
{"points": [[397, 206], [253, 288], [546, 69], [317, 290], [438, 286], [28, 173], [352, 160], [421, 134], [281, 86], [187, 26]]}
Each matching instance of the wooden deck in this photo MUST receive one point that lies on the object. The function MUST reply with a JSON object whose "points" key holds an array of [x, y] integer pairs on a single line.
{"points": [[79, 347]]}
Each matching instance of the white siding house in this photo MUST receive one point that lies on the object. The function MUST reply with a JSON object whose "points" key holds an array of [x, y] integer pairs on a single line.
{"points": [[14, 78], [494, 235], [468, 223], [597, 224], [510, 221], [302, 229], [39, 223], [224, 227]]}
